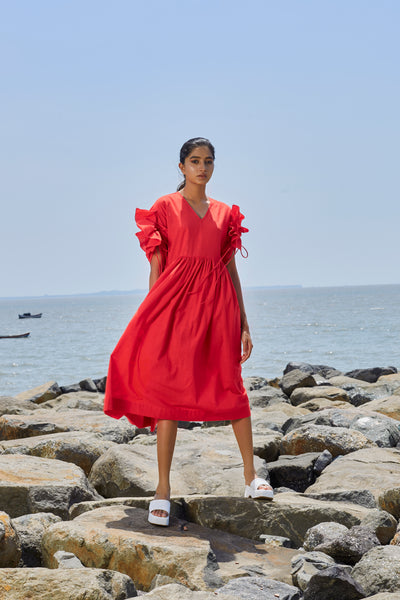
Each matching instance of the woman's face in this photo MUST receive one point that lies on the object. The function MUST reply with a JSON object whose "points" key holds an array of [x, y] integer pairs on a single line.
{"points": [[198, 166]]}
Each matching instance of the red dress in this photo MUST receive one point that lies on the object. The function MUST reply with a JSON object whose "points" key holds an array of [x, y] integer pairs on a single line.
{"points": [[179, 357]]}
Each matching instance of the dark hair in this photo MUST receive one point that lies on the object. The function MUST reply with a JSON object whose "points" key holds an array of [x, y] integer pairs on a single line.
{"points": [[188, 147]]}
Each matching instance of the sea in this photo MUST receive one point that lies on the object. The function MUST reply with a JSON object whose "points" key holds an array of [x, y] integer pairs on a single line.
{"points": [[343, 327]]}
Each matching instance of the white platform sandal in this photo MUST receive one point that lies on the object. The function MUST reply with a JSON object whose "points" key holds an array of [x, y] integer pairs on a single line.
{"points": [[159, 505], [251, 491]]}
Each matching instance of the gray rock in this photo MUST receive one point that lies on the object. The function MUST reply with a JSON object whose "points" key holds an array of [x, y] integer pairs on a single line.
{"points": [[29, 484], [317, 438], [363, 474], [289, 515], [361, 497], [323, 460], [78, 400], [44, 421], [175, 591], [294, 472], [67, 560], [323, 370], [371, 375], [41, 393], [304, 394], [72, 388], [381, 523], [378, 428], [10, 545], [88, 385], [65, 584], [383, 388], [30, 529], [254, 383], [379, 570], [333, 583], [259, 588], [267, 396], [11, 406], [294, 379], [350, 546], [101, 384], [305, 565], [323, 534], [79, 447]]}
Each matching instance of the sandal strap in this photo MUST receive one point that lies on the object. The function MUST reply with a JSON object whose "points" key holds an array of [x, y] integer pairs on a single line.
{"points": [[160, 505]]}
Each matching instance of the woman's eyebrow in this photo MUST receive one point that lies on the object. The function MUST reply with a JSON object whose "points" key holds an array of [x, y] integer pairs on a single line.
{"points": [[207, 157]]}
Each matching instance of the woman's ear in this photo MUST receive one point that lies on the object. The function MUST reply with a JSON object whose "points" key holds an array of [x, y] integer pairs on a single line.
{"points": [[182, 168]]}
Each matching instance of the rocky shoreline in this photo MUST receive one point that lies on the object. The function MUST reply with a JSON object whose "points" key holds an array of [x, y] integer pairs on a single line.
{"points": [[75, 487]]}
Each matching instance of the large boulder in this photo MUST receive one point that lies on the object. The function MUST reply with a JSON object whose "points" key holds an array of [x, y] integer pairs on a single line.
{"points": [[30, 529], [29, 484], [11, 406], [79, 447], [371, 375], [206, 461], [379, 570], [41, 393], [82, 400], [333, 583], [322, 370], [176, 591], [323, 534], [389, 406], [122, 538], [360, 476], [301, 395], [289, 515], [46, 421], [65, 584], [267, 396], [382, 523], [306, 564], [360, 393], [259, 588], [294, 472], [317, 438], [347, 546], [378, 428], [10, 545], [294, 379]]}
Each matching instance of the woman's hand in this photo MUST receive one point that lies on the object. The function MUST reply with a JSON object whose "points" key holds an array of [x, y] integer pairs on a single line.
{"points": [[247, 345]]}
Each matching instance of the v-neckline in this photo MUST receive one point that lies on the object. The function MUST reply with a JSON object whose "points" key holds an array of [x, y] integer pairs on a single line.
{"points": [[195, 212]]}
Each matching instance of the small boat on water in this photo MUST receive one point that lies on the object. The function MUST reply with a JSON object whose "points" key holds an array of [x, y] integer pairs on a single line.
{"points": [[19, 335], [30, 316]]}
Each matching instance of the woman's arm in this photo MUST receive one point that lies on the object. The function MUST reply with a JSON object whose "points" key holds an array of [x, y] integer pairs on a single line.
{"points": [[155, 270], [247, 344]]}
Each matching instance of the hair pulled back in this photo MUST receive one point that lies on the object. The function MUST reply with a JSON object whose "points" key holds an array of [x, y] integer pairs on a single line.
{"points": [[187, 149]]}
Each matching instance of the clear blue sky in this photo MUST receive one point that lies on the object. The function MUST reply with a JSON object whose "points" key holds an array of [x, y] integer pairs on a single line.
{"points": [[300, 98]]}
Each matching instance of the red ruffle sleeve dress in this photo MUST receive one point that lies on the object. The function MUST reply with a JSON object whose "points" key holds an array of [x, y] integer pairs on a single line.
{"points": [[179, 357]]}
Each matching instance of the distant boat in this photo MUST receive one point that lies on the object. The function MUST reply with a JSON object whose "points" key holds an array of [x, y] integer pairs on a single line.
{"points": [[20, 335], [30, 316]]}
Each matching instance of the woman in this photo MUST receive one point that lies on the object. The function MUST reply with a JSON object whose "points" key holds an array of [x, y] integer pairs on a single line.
{"points": [[180, 356]]}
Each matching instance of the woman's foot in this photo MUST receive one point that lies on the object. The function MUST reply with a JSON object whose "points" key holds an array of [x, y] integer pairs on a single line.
{"points": [[161, 494], [259, 488]]}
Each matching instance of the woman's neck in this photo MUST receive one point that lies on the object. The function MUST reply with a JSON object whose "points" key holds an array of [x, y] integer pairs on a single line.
{"points": [[195, 193]]}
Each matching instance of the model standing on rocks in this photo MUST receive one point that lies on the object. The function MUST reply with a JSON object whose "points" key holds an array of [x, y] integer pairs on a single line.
{"points": [[180, 357]]}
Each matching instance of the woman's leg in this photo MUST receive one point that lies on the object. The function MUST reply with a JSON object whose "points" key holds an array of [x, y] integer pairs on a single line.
{"points": [[244, 437], [166, 436]]}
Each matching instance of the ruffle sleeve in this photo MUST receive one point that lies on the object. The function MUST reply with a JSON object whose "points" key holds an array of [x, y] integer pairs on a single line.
{"points": [[233, 241], [153, 231]]}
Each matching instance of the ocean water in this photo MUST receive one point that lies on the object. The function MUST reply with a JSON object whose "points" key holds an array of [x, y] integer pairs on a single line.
{"points": [[345, 327]]}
